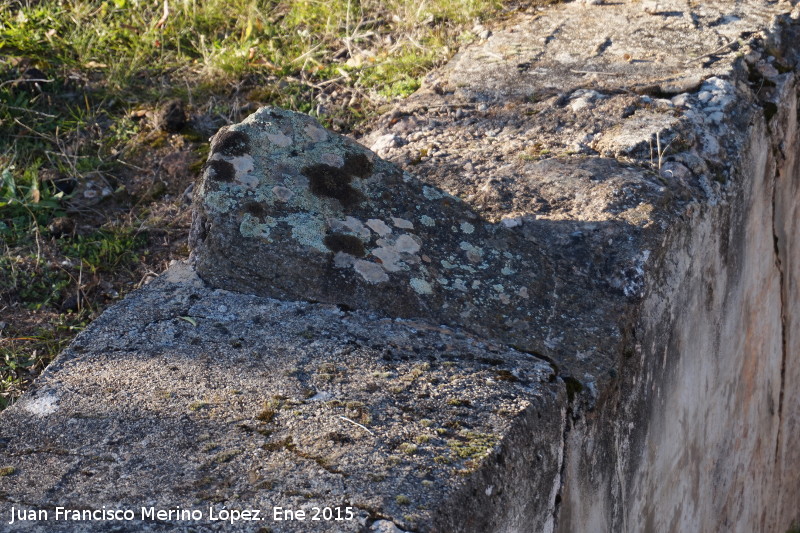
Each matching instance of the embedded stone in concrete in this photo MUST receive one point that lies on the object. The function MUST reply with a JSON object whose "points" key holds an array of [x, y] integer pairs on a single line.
{"points": [[289, 210]]}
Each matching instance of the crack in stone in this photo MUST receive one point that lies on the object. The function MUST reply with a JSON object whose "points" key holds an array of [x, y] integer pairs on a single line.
{"points": [[562, 467], [782, 288]]}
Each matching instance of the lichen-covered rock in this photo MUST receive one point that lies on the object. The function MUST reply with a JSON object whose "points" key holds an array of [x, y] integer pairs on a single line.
{"points": [[289, 210]]}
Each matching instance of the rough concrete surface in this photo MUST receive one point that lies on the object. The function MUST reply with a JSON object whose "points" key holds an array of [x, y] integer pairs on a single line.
{"points": [[187, 397], [559, 293]]}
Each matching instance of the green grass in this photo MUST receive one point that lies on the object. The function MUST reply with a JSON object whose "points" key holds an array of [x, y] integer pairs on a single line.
{"points": [[32, 282], [105, 249], [22, 358], [214, 41]]}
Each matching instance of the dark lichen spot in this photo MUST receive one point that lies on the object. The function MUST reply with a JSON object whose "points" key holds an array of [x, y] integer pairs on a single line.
{"points": [[357, 165], [333, 182], [231, 143], [770, 110], [573, 387], [339, 242], [221, 170], [256, 209]]}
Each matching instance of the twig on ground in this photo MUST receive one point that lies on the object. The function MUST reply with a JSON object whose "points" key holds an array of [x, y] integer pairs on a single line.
{"points": [[357, 424], [713, 52], [23, 80]]}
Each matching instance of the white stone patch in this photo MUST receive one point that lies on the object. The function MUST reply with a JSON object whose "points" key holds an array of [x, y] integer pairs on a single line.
{"points": [[511, 222], [427, 221], [371, 272], [391, 260], [279, 139], [42, 405], [407, 244], [506, 271], [421, 286], [349, 225], [523, 293], [316, 134], [343, 260], [460, 285], [402, 223], [476, 283], [467, 228], [504, 299], [282, 193], [333, 160], [379, 227]]}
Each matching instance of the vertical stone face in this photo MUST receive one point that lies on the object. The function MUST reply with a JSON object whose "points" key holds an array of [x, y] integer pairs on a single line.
{"points": [[786, 227]]}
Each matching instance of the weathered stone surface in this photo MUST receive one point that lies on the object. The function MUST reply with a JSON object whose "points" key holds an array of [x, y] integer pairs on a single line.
{"points": [[186, 397], [633, 165]]}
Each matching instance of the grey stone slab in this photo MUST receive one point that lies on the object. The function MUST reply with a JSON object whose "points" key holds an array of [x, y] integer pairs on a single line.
{"points": [[187, 398]]}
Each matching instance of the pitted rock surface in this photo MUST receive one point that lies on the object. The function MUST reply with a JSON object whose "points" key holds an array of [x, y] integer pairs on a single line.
{"points": [[187, 397]]}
